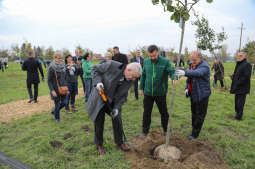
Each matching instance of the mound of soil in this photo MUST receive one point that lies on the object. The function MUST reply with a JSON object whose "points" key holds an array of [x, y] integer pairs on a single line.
{"points": [[195, 154], [67, 136], [56, 144], [85, 128]]}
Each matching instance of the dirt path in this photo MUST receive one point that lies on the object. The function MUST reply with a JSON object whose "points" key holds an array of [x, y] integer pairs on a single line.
{"points": [[21, 109]]}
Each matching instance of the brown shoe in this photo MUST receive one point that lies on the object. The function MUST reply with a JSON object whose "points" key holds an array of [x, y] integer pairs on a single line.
{"points": [[100, 150], [73, 109], [123, 147]]}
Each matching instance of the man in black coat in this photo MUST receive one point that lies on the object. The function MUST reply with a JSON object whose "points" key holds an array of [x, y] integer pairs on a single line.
{"points": [[31, 65], [241, 83], [119, 57], [140, 60]]}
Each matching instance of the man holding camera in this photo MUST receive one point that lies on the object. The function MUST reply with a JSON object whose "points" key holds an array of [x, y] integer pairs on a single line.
{"points": [[114, 79]]}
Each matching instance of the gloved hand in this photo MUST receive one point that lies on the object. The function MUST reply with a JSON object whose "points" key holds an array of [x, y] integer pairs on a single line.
{"points": [[187, 92], [180, 73], [100, 86], [114, 113]]}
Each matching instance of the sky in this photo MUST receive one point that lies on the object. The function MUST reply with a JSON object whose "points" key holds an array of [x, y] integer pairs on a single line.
{"points": [[99, 25]]}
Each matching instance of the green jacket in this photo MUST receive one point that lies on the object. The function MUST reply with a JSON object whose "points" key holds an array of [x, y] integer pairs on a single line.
{"points": [[154, 78], [86, 67]]}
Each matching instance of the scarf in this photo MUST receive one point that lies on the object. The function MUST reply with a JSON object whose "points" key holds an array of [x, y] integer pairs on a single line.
{"points": [[192, 67], [58, 67]]}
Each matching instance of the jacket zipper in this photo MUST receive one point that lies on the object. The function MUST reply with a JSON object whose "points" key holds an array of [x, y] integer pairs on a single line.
{"points": [[153, 74]]}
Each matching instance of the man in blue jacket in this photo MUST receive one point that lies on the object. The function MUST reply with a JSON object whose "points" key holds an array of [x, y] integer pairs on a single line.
{"points": [[198, 89]]}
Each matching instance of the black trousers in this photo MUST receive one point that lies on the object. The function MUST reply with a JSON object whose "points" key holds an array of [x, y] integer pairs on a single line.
{"points": [[221, 82], [116, 124], [136, 89], [239, 105], [199, 111], [148, 105], [29, 89], [83, 84]]}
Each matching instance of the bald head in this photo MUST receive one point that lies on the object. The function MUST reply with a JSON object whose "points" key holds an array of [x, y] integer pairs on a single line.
{"points": [[77, 52], [133, 71], [195, 58], [241, 56]]}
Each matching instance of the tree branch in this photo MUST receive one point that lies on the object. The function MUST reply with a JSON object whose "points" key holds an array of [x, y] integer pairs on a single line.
{"points": [[193, 5], [181, 2]]}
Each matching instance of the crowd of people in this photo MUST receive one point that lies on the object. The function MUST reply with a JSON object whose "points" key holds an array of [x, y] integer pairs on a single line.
{"points": [[106, 87]]}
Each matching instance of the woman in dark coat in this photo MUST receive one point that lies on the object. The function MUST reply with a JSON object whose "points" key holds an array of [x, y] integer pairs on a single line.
{"points": [[57, 70], [218, 73], [72, 80]]}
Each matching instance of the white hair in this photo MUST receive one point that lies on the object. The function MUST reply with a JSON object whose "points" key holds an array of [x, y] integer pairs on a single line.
{"points": [[136, 67]]}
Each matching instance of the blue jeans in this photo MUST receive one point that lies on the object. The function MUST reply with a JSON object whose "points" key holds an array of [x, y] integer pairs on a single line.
{"points": [[73, 89], [88, 87], [59, 104]]}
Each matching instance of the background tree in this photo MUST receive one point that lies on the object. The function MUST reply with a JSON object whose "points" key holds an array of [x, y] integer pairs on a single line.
{"points": [[66, 52], [81, 50], [49, 52], [15, 51], [179, 10], [223, 54], [23, 52], [249, 48], [4, 53]]}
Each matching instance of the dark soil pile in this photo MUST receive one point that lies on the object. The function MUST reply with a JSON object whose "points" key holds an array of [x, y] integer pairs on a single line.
{"points": [[195, 154], [85, 128], [56, 144], [67, 136]]}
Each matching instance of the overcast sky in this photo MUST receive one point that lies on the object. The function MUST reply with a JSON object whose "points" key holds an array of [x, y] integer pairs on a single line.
{"points": [[99, 25]]}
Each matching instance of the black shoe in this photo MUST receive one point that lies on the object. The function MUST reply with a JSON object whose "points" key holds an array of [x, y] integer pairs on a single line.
{"points": [[36, 101], [238, 118], [191, 138], [31, 100]]}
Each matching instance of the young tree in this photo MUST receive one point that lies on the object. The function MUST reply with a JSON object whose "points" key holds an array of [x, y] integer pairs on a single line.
{"points": [[180, 10], [249, 48], [206, 37]]}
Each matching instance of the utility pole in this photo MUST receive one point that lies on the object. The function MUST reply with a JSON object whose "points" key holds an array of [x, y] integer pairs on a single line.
{"points": [[241, 36]]}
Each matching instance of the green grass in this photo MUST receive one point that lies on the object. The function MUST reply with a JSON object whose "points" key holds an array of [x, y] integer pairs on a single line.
{"points": [[28, 139], [13, 84]]}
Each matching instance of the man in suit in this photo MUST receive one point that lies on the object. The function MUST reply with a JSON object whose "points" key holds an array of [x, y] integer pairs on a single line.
{"points": [[241, 83], [119, 57], [31, 65], [115, 79], [140, 60]]}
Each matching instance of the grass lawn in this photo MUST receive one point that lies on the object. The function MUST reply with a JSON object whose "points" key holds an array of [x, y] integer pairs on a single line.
{"points": [[13, 84], [29, 139]]}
